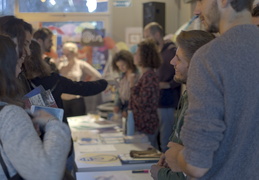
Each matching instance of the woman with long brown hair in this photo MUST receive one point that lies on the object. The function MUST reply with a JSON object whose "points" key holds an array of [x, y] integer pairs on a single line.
{"points": [[144, 95], [123, 63], [38, 72], [22, 152]]}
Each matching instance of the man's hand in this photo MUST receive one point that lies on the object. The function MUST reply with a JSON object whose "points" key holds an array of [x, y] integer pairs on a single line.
{"points": [[124, 114], [116, 109], [161, 161], [154, 171], [171, 156]]}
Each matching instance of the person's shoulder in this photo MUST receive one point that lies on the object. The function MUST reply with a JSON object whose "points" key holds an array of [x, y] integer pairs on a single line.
{"points": [[11, 110], [81, 61], [54, 75], [208, 48], [13, 107], [150, 73], [83, 64], [58, 78]]}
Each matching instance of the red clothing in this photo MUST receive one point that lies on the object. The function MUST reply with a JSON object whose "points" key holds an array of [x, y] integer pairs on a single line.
{"points": [[144, 100]]}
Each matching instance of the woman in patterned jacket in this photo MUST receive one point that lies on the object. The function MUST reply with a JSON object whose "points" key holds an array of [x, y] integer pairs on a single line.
{"points": [[145, 93]]}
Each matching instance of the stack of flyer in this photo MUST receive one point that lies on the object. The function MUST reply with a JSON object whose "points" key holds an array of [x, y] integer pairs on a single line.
{"points": [[137, 138], [41, 99]]}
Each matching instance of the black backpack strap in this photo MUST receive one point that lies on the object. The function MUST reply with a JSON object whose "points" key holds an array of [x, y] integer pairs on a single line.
{"points": [[3, 164]]}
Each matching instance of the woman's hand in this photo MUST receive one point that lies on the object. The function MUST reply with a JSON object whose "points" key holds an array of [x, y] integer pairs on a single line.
{"points": [[41, 118], [116, 109]]}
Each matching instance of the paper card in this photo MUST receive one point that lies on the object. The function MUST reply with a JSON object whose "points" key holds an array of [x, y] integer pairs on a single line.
{"points": [[111, 135], [92, 160], [56, 112], [96, 148], [39, 97], [113, 141], [34, 92], [88, 141]]}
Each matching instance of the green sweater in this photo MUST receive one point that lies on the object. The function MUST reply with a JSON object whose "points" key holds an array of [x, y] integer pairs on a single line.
{"points": [[166, 173]]}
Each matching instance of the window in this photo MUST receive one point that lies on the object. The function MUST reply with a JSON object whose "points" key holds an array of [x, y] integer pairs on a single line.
{"points": [[6, 7], [65, 6], [71, 31]]}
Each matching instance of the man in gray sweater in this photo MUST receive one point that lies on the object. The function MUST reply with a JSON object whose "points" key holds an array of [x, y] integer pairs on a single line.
{"points": [[220, 134]]}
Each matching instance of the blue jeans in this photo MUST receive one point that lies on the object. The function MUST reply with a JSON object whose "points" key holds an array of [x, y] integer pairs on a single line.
{"points": [[166, 117], [153, 139]]}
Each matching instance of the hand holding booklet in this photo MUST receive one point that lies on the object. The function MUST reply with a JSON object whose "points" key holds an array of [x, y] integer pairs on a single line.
{"points": [[56, 112], [39, 96]]}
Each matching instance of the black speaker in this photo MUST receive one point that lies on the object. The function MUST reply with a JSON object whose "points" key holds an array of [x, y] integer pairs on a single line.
{"points": [[154, 12]]}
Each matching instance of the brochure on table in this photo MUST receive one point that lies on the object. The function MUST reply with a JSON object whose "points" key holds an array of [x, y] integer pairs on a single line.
{"points": [[112, 175]]}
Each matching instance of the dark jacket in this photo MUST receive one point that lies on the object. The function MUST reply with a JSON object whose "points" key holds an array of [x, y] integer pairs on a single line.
{"points": [[59, 84], [168, 97]]}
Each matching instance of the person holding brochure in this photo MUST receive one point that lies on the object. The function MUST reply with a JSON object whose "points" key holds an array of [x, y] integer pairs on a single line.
{"points": [[22, 151], [38, 72]]}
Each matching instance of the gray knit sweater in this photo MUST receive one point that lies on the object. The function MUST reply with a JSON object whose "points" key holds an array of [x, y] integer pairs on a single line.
{"points": [[221, 128], [23, 150]]}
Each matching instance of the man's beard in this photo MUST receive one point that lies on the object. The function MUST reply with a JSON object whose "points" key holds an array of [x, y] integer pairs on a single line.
{"points": [[214, 17], [180, 80]]}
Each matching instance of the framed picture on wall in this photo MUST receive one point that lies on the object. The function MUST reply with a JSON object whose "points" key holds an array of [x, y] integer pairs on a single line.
{"points": [[134, 38], [133, 35]]}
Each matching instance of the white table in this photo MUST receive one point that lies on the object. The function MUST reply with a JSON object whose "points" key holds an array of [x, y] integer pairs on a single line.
{"points": [[97, 146], [95, 161], [113, 175]]}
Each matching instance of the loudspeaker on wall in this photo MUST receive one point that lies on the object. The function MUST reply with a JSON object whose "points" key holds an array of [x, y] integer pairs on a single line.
{"points": [[154, 12]]}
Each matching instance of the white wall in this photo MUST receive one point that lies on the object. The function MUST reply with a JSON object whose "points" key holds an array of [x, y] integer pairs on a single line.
{"points": [[177, 13], [119, 18]]}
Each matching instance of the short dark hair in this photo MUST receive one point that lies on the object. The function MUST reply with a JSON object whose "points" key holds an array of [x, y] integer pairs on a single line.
{"points": [[10, 88], [42, 33], [255, 12], [125, 56], [191, 41], [155, 27], [28, 27], [14, 28], [149, 54], [240, 5]]}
